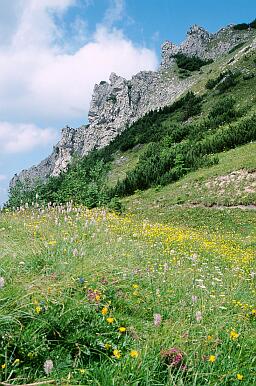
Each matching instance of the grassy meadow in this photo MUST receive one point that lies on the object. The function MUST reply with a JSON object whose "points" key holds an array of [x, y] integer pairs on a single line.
{"points": [[90, 297]]}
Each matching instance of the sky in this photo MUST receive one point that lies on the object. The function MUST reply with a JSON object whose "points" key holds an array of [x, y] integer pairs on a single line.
{"points": [[52, 52]]}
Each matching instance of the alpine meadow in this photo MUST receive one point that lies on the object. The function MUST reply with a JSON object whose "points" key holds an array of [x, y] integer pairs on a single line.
{"points": [[127, 257]]}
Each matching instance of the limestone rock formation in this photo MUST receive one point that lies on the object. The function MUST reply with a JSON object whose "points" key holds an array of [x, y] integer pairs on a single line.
{"points": [[203, 44], [119, 102]]}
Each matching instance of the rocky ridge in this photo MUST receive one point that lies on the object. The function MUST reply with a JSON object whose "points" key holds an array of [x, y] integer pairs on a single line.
{"points": [[118, 103]]}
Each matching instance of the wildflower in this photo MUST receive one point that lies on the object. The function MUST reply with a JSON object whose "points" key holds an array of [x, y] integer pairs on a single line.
{"points": [[209, 337], [254, 312], [240, 377], [3, 366], [93, 296], [97, 297], [194, 298], [81, 280], [104, 310], [233, 335], [16, 362], [157, 320], [75, 252], [212, 358], [1, 282], [82, 371], [117, 354], [199, 316], [122, 329], [38, 309], [135, 286], [107, 346], [173, 357], [48, 366], [53, 242], [110, 320], [134, 354]]}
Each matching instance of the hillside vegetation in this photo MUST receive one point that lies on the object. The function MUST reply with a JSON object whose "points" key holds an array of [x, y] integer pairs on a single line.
{"points": [[218, 114], [137, 266]]}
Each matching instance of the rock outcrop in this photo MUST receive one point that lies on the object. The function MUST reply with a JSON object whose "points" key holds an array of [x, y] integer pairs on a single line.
{"points": [[118, 103], [203, 44]]}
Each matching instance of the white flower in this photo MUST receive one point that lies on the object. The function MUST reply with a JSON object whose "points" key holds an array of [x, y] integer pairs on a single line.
{"points": [[48, 366], [1, 282], [198, 316]]}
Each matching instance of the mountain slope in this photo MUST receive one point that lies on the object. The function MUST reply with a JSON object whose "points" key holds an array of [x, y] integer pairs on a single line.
{"points": [[118, 104], [171, 142]]}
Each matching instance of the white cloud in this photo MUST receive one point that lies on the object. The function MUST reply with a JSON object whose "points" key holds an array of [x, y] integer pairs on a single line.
{"points": [[41, 82], [16, 138], [114, 13]]}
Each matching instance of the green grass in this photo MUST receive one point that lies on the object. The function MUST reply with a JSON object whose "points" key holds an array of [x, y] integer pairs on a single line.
{"points": [[215, 185], [123, 163], [62, 267]]}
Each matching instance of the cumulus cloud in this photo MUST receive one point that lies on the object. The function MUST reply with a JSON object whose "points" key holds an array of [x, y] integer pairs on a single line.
{"points": [[44, 84], [16, 138]]}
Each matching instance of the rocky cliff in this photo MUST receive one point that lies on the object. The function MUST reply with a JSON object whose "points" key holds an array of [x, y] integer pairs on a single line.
{"points": [[119, 102]]}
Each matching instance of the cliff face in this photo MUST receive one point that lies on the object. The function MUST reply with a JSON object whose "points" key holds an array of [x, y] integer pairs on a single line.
{"points": [[119, 102], [203, 44]]}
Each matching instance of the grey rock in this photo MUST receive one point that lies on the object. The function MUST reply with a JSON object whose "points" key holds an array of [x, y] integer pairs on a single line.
{"points": [[203, 44]]}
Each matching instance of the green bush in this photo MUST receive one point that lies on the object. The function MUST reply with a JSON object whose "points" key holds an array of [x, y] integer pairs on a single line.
{"points": [[241, 26], [190, 63]]}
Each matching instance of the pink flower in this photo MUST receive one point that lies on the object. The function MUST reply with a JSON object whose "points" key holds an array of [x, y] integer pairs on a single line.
{"points": [[157, 320], [173, 357], [194, 298]]}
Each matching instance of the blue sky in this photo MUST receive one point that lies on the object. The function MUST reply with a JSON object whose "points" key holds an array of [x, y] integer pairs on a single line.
{"points": [[52, 52]]}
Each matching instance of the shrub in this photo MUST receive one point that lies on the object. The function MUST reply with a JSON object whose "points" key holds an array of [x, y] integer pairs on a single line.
{"points": [[229, 80], [239, 45], [190, 63], [241, 26]]}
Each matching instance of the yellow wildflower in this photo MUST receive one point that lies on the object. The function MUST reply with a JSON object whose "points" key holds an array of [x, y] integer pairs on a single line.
{"points": [[240, 377], [16, 362], [212, 358], [209, 337], [53, 242], [38, 309], [104, 310], [97, 298], [82, 371], [135, 286], [117, 354], [233, 335], [254, 312], [134, 354], [3, 366], [107, 346], [110, 320], [122, 329]]}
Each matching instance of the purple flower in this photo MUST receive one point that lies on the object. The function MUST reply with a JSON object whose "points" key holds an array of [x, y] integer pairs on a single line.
{"points": [[157, 320]]}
